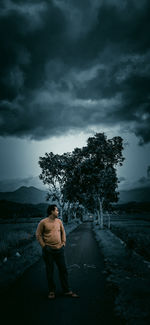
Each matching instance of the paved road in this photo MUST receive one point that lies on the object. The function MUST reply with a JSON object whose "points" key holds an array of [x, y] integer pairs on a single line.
{"points": [[26, 302]]}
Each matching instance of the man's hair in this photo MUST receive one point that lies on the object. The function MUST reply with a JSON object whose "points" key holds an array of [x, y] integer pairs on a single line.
{"points": [[51, 208]]}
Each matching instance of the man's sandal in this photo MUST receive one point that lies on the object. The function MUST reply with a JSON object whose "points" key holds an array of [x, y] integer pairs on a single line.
{"points": [[71, 294], [51, 295]]}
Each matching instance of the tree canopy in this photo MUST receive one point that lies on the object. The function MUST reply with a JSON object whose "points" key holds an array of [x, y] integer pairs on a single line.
{"points": [[87, 175]]}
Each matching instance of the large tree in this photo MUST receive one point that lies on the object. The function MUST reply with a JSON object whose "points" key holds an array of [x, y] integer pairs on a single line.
{"points": [[87, 176], [91, 176], [53, 174]]}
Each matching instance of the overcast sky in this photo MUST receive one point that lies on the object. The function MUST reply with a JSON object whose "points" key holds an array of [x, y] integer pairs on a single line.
{"points": [[70, 68]]}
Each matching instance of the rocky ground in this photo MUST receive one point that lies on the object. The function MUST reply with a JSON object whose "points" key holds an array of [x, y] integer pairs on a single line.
{"points": [[128, 275]]}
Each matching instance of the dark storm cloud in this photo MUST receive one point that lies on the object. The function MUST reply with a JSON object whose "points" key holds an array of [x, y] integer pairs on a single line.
{"points": [[143, 182], [122, 179], [71, 64]]}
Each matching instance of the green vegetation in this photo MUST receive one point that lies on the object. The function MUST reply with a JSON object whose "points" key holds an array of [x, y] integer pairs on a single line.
{"points": [[86, 177], [133, 229], [15, 211], [15, 236]]}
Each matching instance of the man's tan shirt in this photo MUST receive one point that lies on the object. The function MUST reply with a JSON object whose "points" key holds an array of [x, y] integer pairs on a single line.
{"points": [[51, 232]]}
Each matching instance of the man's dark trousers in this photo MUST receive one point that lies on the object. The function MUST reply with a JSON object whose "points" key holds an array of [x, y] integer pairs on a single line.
{"points": [[57, 256]]}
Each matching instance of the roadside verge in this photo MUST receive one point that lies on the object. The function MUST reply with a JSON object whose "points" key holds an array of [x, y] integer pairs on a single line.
{"points": [[129, 275], [19, 262]]}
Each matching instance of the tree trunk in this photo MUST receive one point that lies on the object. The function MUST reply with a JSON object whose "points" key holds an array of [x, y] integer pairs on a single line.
{"points": [[61, 212], [74, 215], [68, 212], [108, 219], [98, 216], [101, 213]]}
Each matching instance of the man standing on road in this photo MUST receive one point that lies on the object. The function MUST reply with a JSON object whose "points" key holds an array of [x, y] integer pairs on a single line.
{"points": [[51, 235]]}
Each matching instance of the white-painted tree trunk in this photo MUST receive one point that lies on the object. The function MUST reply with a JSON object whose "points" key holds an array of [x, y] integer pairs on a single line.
{"points": [[74, 215], [98, 214], [108, 219], [68, 212], [61, 212], [101, 213]]}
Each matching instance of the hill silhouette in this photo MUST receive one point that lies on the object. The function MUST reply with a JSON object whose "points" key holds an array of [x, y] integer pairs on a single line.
{"points": [[141, 194], [25, 194], [33, 195]]}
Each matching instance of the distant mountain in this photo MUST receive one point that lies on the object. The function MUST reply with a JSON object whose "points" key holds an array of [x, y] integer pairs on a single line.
{"points": [[9, 185], [32, 195], [25, 194], [141, 194]]}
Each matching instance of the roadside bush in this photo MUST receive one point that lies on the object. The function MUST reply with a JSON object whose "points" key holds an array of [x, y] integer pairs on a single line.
{"points": [[14, 239]]}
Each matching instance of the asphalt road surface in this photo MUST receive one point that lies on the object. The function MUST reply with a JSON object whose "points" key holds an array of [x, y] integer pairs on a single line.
{"points": [[26, 302]]}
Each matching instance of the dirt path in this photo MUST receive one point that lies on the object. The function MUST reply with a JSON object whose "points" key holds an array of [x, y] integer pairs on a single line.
{"points": [[26, 302]]}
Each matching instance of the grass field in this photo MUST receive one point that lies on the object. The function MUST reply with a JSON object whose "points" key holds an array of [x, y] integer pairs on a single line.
{"points": [[20, 238], [15, 236], [134, 230]]}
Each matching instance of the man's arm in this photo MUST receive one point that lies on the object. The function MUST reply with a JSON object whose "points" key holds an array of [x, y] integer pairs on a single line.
{"points": [[63, 234], [39, 234]]}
